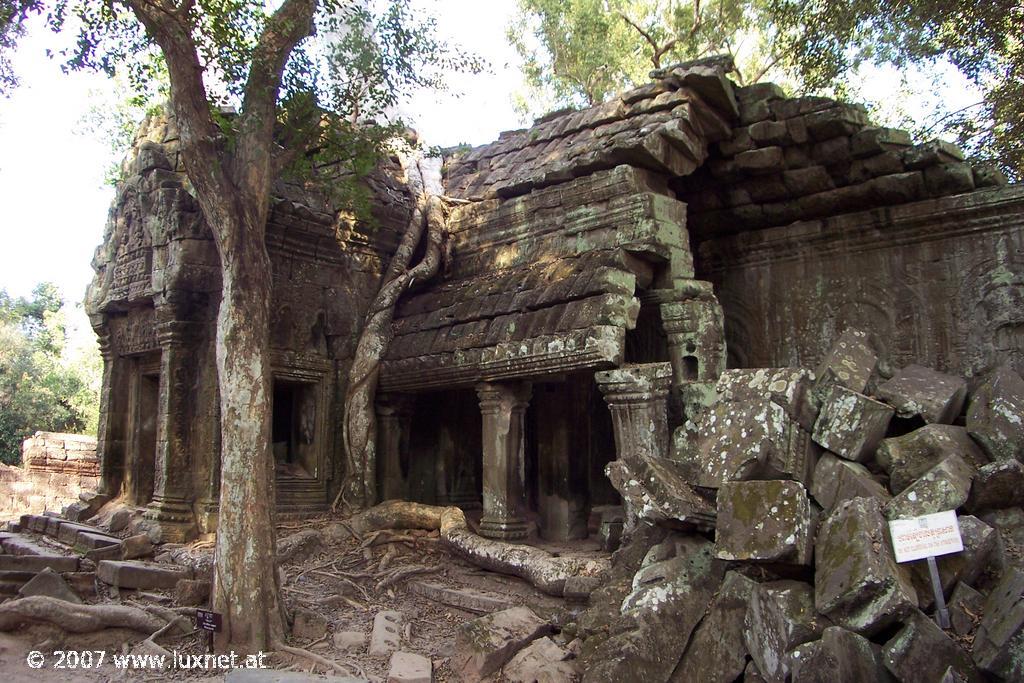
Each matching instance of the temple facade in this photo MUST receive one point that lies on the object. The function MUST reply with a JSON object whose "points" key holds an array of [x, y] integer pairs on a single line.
{"points": [[604, 268]]}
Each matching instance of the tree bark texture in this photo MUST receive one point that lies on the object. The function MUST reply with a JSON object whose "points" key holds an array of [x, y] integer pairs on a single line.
{"points": [[232, 184], [541, 569], [359, 427]]}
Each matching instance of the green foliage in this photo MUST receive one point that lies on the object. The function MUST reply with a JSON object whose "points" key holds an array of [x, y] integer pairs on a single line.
{"points": [[982, 39], [44, 384], [13, 14], [579, 52], [338, 93]]}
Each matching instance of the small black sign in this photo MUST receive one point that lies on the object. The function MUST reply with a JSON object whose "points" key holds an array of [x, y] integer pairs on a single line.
{"points": [[209, 621]]}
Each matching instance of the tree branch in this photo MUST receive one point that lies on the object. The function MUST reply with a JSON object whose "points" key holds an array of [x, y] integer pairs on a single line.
{"points": [[656, 57]]}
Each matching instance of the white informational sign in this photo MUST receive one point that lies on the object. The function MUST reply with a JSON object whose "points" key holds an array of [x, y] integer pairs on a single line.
{"points": [[928, 536]]}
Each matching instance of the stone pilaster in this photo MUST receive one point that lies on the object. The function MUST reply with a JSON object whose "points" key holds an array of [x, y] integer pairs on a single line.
{"points": [[171, 507], [503, 408], [637, 396], [394, 419]]}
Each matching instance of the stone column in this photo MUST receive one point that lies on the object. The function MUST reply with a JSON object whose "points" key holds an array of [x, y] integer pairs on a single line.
{"points": [[394, 419], [110, 428], [637, 396], [503, 407], [695, 331], [171, 507]]}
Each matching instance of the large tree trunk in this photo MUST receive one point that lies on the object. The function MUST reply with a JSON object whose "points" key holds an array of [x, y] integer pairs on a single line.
{"points": [[359, 425], [245, 575]]}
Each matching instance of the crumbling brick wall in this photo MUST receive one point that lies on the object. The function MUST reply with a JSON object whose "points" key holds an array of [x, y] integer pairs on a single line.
{"points": [[56, 469]]}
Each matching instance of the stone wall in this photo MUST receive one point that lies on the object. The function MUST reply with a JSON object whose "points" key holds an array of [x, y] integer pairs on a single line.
{"points": [[56, 468]]}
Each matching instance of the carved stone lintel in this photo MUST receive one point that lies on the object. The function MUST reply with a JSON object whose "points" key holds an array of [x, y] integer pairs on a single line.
{"points": [[503, 408]]}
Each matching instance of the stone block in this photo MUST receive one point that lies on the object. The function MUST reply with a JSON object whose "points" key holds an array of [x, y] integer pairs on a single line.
{"points": [[769, 133], [735, 438], [119, 520], [840, 655], [998, 484], [756, 161], [408, 667], [966, 606], [136, 546], [850, 424], [781, 616], [931, 153], [468, 599], [486, 644], [934, 396], [804, 181], [850, 362], [350, 641], [771, 521], [872, 141], [943, 180], [790, 388], [717, 652], [943, 487], [994, 415], [90, 540], [50, 584], [841, 120], [857, 583], [37, 563], [999, 640], [836, 480], [192, 592], [906, 458], [386, 635], [141, 575], [542, 661], [920, 651]]}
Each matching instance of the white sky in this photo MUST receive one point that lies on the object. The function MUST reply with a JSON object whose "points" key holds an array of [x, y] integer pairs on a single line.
{"points": [[53, 203]]}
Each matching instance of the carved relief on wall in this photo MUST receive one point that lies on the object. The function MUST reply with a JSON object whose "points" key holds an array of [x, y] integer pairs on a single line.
{"points": [[134, 333], [133, 263], [742, 348], [991, 307]]}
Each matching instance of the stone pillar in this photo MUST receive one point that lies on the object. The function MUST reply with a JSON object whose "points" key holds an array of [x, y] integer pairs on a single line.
{"points": [[695, 330], [503, 407], [561, 464], [109, 437], [637, 396], [394, 419], [171, 507]]}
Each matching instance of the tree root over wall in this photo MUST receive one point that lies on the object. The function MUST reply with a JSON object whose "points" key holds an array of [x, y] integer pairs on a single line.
{"points": [[541, 569]]}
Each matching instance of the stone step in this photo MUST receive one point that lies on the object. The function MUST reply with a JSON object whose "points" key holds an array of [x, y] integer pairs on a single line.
{"points": [[20, 545], [12, 581], [68, 532], [140, 575], [90, 540], [37, 563]]}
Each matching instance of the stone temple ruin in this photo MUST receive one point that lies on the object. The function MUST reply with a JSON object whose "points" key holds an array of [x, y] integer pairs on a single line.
{"points": [[732, 313]]}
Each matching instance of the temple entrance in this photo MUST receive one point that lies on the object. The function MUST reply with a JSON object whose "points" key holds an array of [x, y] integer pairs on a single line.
{"points": [[143, 401], [293, 425]]}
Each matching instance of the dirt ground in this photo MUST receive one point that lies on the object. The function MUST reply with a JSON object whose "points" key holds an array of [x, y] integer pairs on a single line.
{"points": [[345, 579]]}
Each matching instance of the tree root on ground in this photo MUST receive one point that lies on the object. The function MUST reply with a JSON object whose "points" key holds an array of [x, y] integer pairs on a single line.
{"points": [[328, 664], [541, 569], [76, 618]]}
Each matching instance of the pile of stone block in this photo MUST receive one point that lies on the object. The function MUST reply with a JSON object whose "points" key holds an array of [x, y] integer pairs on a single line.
{"points": [[56, 469], [801, 582], [791, 159]]}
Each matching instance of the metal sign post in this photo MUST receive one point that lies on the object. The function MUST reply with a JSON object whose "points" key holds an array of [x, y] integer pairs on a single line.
{"points": [[927, 537]]}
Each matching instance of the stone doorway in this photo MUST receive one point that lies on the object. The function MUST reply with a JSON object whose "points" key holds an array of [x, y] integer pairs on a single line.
{"points": [[293, 425], [143, 401]]}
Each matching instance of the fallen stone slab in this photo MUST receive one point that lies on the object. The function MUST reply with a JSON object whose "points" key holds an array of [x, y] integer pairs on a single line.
{"points": [[50, 584], [19, 545], [542, 661], [789, 388], [998, 484], [734, 440], [486, 644], [350, 641], [921, 651], [781, 616], [840, 655], [408, 667], [944, 487], [119, 520], [140, 575], [849, 363], [917, 391], [90, 540], [67, 532], [836, 480], [717, 652], [966, 606], [468, 599], [995, 415], [769, 521], [11, 581], [999, 639], [36, 563], [906, 458], [851, 425], [386, 635], [857, 583]]}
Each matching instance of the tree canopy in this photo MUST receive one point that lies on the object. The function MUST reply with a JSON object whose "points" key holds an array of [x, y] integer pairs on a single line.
{"points": [[44, 384]]}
